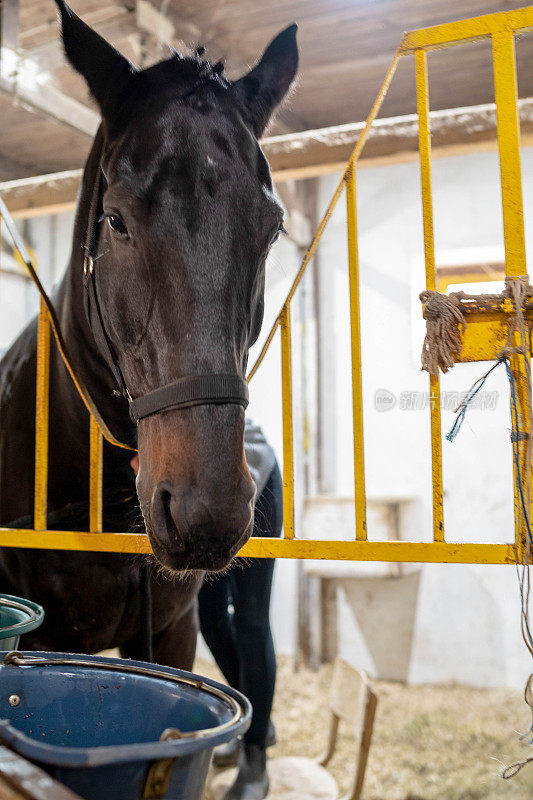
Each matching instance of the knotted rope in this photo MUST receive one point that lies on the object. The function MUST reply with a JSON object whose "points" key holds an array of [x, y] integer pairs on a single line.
{"points": [[445, 324], [518, 290]]}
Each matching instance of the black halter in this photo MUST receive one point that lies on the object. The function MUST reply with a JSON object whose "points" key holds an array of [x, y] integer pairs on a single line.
{"points": [[191, 390]]}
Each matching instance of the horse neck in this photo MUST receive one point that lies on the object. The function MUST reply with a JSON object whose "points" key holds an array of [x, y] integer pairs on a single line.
{"points": [[70, 304]]}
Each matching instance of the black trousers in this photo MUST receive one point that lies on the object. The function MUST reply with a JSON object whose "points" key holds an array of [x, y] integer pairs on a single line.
{"points": [[240, 638]]}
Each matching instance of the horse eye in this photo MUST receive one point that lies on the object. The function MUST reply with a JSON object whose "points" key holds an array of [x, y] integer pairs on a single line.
{"points": [[116, 224], [280, 230]]}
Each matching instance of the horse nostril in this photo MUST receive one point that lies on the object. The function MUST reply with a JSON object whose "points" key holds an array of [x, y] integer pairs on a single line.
{"points": [[196, 528], [163, 519], [166, 498]]}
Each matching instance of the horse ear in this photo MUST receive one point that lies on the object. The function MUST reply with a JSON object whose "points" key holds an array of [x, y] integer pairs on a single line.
{"points": [[264, 87], [106, 71]]}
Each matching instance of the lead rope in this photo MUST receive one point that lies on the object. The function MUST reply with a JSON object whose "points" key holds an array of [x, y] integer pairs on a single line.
{"points": [[56, 329]]}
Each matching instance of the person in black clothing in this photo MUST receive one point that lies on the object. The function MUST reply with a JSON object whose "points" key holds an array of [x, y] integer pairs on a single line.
{"points": [[234, 621]]}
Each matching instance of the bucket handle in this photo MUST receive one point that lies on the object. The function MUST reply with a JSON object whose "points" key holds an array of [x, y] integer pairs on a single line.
{"points": [[158, 775]]}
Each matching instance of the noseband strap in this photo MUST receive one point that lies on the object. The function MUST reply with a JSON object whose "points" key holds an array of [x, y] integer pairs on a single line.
{"points": [[188, 391], [193, 390]]}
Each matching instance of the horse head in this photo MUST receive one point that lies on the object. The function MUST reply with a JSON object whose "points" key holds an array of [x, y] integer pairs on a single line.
{"points": [[189, 217]]}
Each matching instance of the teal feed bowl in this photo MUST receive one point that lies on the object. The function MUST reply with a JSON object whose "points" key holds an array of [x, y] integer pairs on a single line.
{"points": [[17, 616]]}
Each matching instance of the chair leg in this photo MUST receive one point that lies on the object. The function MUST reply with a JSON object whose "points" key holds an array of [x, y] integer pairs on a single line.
{"points": [[364, 745], [326, 757]]}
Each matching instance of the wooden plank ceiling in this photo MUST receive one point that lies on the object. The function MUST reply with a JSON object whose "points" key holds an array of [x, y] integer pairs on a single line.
{"points": [[345, 45]]}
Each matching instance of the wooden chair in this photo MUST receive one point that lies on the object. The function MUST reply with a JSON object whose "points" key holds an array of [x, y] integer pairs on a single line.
{"points": [[351, 700]]}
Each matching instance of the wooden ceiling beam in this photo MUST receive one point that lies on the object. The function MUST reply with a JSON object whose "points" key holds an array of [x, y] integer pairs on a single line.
{"points": [[43, 194], [293, 156], [50, 53], [22, 85], [23, 80], [315, 152], [52, 103]]}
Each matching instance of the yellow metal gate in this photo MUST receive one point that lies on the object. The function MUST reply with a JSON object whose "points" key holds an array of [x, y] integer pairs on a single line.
{"points": [[485, 335]]}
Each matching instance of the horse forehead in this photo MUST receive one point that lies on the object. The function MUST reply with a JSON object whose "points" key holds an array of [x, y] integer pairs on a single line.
{"points": [[182, 138]]}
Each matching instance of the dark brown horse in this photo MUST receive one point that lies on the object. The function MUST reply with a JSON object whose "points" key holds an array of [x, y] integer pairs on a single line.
{"points": [[186, 221]]}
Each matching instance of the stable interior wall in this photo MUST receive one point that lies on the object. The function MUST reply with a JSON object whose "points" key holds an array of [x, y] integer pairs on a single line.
{"points": [[461, 622]]}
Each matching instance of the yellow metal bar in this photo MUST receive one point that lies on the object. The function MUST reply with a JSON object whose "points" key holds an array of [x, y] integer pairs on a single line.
{"points": [[329, 211], [286, 400], [96, 466], [357, 380], [422, 552], [424, 138], [424, 142], [453, 33], [41, 420], [257, 547], [523, 398], [505, 89], [305, 261], [374, 111], [509, 150], [75, 540], [485, 336]]}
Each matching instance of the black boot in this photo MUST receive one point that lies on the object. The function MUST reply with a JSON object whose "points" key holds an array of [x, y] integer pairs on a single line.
{"points": [[227, 755], [251, 782]]}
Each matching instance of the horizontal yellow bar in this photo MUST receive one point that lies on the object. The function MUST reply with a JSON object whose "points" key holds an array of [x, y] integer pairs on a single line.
{"points": [[452, 33], [423, 552], [75, 540], [485, 336]]}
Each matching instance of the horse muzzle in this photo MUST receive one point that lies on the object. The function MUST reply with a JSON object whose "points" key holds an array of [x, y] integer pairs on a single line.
{"points": [[187, 532]]}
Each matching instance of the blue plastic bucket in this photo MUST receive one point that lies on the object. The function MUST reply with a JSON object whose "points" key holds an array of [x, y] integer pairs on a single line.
{"points": [[96, 724], [17, 616]]}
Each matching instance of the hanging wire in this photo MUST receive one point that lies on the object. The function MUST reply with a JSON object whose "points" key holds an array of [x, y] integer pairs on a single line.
{"points": [[522, 509], [524, 578], [460, 411]]}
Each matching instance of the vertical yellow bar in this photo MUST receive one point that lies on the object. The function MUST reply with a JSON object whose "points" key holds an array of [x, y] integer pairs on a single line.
{"points": [[424, 140], [96, 464], [523, 403], [41, 420], [357, 381], [505, 91], [286, 402]]}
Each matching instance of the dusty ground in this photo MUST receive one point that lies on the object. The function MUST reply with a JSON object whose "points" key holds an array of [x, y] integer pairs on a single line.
{"points": [[430, 743]]}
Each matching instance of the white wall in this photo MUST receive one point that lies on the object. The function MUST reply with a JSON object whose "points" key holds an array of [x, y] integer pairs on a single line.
{"points": [[49, 240], [467, 617]]}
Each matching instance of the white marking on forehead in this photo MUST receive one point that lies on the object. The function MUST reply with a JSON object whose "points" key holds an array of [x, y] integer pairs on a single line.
{"points": [[211, 162]]}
